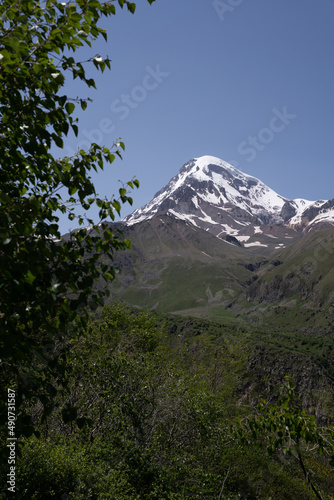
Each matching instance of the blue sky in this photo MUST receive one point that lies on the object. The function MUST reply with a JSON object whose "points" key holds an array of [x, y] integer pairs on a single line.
{"points": [[248, 81]]}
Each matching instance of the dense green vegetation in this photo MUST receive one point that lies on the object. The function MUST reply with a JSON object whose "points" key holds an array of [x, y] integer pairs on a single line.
{"points": [[151, 412]]}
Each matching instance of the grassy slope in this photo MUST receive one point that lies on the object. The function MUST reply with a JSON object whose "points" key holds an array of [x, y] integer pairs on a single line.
{"points": [[173, 266]]}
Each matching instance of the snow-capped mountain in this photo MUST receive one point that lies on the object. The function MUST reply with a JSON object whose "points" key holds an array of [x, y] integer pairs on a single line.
{"points": [[215, 196]]}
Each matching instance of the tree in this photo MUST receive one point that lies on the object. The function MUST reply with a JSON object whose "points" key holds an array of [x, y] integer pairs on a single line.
{"points": [[286, 427], [46, 283]]}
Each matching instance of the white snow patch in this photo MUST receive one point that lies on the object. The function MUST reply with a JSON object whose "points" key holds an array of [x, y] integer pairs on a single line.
{"points": [[138, 219], [207, 218], [327, 216], [229, 230], [207, 255], [211, 198], [194, 199], [300, 205], [242, 223], [178, 215], [255, 244]]}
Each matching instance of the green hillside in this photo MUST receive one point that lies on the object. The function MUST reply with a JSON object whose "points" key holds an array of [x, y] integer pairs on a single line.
{"points": [[295, 289], [178, 268], [173, 266]]}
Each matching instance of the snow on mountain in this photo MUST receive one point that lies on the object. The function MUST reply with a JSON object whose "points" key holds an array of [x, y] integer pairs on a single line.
{"points": [[212, 194], [300, 207], [214, 182]]}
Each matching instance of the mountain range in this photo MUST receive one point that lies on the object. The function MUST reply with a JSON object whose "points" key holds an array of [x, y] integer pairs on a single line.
{"points": [[218, 243]]}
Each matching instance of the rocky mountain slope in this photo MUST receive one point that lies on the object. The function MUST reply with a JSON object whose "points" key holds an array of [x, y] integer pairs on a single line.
{"points": [[215, 196]]}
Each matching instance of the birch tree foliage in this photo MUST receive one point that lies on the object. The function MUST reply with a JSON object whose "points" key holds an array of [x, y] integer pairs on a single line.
{"points": [[44, 279], [285, 426]]}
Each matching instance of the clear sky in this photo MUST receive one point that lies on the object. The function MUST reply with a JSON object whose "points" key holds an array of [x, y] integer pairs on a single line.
{"points": [[248, 81]]}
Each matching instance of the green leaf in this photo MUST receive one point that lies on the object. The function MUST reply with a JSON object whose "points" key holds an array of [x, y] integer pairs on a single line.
{"points": [[58, 140], [70, 107], [30, 278], [75, 129], [62, 100], [131, 7], [108, 235]]}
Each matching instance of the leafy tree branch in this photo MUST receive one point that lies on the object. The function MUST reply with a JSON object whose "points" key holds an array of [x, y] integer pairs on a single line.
{"points": [[46, 281], [285, 426]]}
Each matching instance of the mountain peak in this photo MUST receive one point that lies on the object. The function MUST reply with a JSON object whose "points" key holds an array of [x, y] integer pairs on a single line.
{"points": [[212, 194], [208, 164], [204, 161]]}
